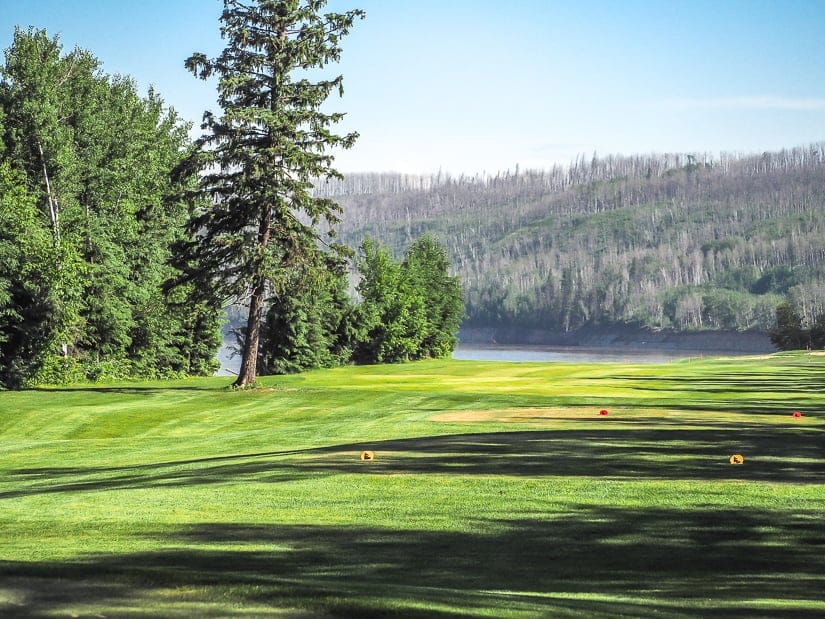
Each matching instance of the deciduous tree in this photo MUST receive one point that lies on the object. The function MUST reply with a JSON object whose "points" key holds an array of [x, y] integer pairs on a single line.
{"points": [[95, 159], [27, 256]]}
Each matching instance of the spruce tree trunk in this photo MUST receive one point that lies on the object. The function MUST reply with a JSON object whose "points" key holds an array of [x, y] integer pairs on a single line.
{"points": [[249, 358]]}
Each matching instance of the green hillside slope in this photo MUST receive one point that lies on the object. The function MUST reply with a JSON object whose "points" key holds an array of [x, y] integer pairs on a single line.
{"points": [[663, 241]]}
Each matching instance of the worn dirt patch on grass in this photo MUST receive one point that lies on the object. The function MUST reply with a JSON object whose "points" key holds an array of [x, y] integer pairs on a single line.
{"points": [[616, 415]]}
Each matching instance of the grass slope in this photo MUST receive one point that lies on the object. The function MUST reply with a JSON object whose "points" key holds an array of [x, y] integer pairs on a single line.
{"points": [[497, 490]]}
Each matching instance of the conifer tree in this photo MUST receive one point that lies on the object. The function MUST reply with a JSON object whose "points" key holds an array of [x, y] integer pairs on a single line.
{"points": [[262, 154], [788, 333], [409, 310], [427, 267], [310, 324]]}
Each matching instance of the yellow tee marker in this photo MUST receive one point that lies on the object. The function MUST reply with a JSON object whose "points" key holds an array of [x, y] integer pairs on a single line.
{"points": [[737, 459], [368, 455]]}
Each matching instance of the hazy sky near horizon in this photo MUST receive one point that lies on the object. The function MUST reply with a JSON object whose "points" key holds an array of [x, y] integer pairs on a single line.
{"points": [[471, 86]]}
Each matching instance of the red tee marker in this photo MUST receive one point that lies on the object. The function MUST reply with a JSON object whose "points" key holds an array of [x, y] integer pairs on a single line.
{"points": [[797, 414], [603, 412]]}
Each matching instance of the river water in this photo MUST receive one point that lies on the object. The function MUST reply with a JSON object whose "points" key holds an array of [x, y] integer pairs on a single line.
{"points": [[579, 354], [550, 354]]}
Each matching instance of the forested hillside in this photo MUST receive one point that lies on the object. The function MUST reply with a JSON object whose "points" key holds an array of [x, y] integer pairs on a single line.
{"points": [[665, 241]]}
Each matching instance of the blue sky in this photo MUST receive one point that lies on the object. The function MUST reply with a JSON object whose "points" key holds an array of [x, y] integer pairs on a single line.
{"points": [[483, 85]]}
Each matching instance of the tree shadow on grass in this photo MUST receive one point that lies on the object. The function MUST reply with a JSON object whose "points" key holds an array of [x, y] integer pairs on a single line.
{"points": [[612, 454], [774, 454], [588, 561], [128, 389], [798, 380]]}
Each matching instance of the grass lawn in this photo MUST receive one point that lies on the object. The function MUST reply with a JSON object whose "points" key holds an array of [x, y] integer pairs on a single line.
{"points": [[497, 490]]}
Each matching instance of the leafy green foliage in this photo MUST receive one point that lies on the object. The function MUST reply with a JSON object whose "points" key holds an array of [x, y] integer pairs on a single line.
{"points": [[790, 333], [96, 220], [817, 332], [779, 279], [392, 310], [309, 324], [409, 310], [427, 267], [27, 273]]}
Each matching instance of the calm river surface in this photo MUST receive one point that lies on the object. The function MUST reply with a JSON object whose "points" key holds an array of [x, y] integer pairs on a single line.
{"points": [[578, 354], [550, 354]]}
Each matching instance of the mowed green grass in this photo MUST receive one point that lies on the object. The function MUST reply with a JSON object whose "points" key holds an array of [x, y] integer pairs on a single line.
{"points": [[497, 491]]}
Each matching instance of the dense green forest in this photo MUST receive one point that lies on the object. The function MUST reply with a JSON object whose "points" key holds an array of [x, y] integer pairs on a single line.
{"points": [[103, 218], [681, 242], [403, 310], [88, 215]]}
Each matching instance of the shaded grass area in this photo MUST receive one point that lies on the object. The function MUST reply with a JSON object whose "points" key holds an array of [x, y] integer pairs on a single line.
{"points": [[606, 561], [143, 500]]}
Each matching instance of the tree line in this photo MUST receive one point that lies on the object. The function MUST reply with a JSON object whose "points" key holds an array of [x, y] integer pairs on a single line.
{"points": [[404, 310], [680, 242], [121, 241], [88, 215]]}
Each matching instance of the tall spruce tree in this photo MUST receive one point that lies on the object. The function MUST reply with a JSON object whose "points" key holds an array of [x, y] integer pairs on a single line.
{"points": [[260, 157]]}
